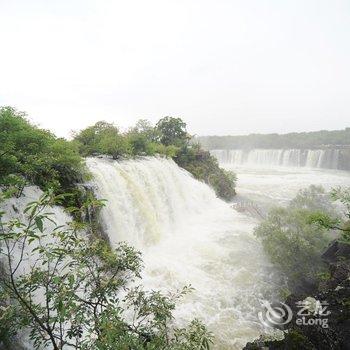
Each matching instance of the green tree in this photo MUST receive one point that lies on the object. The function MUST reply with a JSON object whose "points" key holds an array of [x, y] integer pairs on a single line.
{"points": [[114, 144], [142, 138], [89, 139], [339, 223], [172, 131], [75, 293], [35, 156], [102, 138], [293, 243], [143, 126]]}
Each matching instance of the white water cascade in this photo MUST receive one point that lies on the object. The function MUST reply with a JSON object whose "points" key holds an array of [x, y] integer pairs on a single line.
{"points": [[310, 158], [187, 236]]}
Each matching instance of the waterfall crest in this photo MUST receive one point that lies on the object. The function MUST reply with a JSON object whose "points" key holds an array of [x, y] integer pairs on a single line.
{"points": [[310, 158], [187, 236], [147, 199]]}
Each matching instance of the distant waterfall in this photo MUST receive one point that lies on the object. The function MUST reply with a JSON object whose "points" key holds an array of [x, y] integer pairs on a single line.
{"points": [[187, 235], [319, 158]]}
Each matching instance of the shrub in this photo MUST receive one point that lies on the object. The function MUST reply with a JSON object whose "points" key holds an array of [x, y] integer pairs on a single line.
{"points": [[294, 243], [205, 167]]}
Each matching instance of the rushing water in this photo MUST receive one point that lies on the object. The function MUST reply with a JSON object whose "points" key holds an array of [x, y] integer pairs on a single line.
{"points": [[271, 177], [276, 186], [187, 235], [309, 158]]}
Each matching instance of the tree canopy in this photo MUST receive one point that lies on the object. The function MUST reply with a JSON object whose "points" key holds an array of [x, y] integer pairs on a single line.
{"points": [[172, 131], [30, 155], [168, 137]]}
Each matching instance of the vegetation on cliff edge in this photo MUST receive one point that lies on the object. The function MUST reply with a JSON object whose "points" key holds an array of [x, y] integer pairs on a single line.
{"points": [[30, 155], [169, 138]]}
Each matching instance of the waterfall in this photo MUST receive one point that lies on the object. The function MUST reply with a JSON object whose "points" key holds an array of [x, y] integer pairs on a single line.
{"points": [[187, 236], [311, 158]]}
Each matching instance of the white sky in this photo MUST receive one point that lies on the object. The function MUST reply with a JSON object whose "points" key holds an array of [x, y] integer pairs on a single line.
{"points": [[225, 67]]}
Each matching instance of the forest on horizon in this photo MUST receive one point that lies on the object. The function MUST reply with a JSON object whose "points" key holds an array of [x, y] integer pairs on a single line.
{"points": [[300, 140]]}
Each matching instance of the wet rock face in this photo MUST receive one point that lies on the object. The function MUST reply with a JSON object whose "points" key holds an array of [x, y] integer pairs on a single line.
{"points": [[337, 251], [336, 292]]}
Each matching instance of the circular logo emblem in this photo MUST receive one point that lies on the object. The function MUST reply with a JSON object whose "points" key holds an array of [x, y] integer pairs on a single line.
{"points": [[275, 315]]}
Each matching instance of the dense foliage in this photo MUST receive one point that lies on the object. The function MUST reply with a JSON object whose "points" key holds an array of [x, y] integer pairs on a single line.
{"points": [[339, 223], [106, 138], [172, 131], [169, 138], [291, 238], [292, 140], [335, 286], [75, 292], [30, 155], [205, 167]]}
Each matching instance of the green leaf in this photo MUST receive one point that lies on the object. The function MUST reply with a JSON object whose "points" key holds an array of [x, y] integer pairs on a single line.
{"points": [[39, 223]]}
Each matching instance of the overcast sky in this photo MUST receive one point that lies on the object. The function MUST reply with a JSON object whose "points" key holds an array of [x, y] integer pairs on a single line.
{"points": [[225, 67]]}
